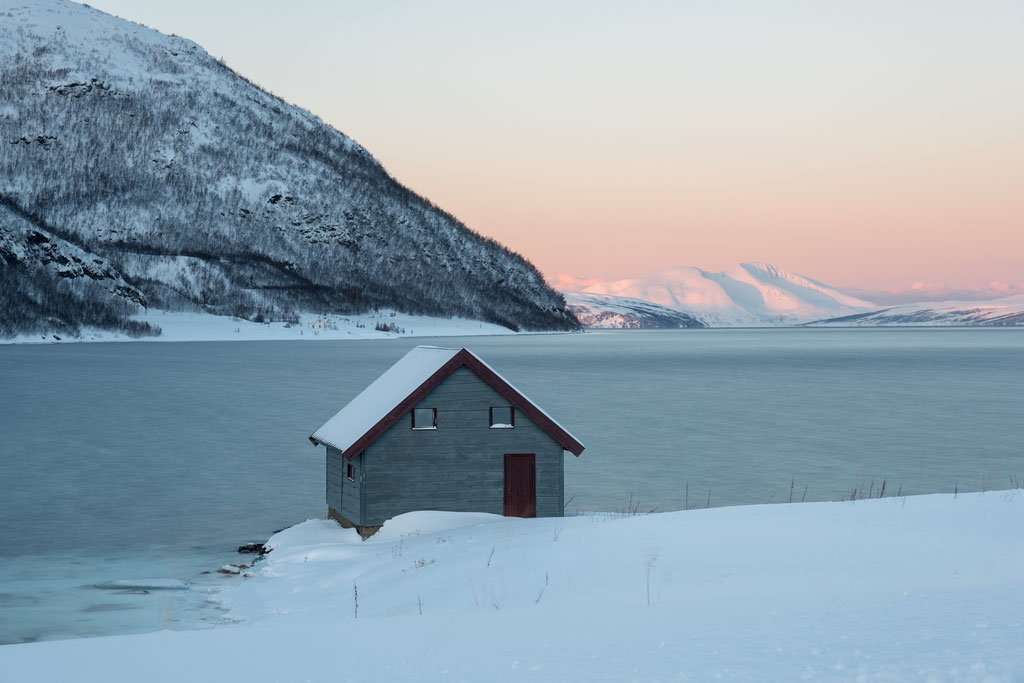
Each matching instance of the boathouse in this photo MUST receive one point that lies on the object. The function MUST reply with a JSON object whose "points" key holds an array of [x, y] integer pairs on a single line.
{"points": [[441, 430]]}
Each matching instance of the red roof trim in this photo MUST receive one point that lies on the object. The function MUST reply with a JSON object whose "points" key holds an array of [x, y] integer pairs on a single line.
{"points": [[522, 404], [464, 357]]}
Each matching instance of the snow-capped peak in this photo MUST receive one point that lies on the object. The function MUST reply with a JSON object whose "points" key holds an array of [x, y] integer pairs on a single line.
{"points": [[751, 293]]}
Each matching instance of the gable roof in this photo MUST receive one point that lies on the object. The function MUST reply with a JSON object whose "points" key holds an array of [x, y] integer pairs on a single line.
{"points": [[379, 406]]}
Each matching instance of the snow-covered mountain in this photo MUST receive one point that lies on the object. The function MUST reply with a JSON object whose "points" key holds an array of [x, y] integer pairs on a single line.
{"points": [[1008, 311], [137, 170], [601, 311], [750, 294]]}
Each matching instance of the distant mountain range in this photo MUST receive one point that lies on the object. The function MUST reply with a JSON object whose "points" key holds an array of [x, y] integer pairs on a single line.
{"points": [[1008, 311], [137, 171], [755, 295]]}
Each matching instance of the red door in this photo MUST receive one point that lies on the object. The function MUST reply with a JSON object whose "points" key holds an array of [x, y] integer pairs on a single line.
{"points": [[520, 485]]}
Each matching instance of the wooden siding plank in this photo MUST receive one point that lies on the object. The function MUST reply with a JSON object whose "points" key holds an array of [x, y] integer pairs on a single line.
{"points": [[465, 435], [545, 507], [334, 491], [459, 466], [443, 488]]}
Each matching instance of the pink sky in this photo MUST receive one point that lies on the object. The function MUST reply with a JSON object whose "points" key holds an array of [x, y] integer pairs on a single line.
{"points": [[869, 145]]}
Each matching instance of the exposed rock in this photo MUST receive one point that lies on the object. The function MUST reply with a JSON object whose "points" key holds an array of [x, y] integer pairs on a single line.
{"points": [[253, 548]]}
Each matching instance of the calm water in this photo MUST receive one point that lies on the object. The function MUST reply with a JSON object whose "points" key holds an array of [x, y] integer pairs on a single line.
{"points": [[155, 460]]}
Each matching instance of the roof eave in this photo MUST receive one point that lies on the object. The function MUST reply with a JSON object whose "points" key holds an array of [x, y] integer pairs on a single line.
{"points": [[418, 394], [524, 405], [464, 358]]}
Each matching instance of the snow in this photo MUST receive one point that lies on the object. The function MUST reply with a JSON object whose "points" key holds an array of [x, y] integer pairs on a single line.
{"points": [[600, 311], [1005, 311], [74, 24], [184, 326], [97, 96], [311, 532], [757, 295], [431, 522], [375, 401], [893, 589], [812, 291], [749, 294]]}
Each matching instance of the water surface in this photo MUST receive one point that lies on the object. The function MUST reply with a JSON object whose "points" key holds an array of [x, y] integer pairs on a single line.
{"points": [[155, 460]]}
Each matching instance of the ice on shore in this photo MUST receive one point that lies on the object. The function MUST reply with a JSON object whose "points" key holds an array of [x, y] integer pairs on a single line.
{"points": [[145, 584]]}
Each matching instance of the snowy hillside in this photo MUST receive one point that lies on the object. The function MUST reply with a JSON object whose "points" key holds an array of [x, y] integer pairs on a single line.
{"points": [[997, 312], [136, 170], [750, 294], [896, 589], [601, 311]]}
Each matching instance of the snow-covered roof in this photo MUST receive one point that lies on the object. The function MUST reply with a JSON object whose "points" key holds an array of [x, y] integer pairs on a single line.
{"points": [[404, 384], [375, 401]]}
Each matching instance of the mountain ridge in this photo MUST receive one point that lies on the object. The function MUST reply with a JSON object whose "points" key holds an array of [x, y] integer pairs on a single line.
{"points": [[198, 190], [687, 296], [1003, 312], [748, 294]]}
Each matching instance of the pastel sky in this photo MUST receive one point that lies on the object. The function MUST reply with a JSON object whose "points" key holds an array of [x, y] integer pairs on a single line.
{"points": [[867, 144]]}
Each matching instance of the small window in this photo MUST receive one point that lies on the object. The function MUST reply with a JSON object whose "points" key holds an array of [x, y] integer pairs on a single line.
{"points": [[503, 417], [351, 472], [424, 418]]}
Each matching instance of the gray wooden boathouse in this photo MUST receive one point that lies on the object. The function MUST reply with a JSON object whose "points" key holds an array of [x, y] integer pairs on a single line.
{"points": [[441, 430]]}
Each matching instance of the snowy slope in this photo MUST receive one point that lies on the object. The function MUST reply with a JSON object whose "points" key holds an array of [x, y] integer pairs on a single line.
{"points": [[896, 589], [199, 191], [747, 294], [602, 311], [1007, 311]]}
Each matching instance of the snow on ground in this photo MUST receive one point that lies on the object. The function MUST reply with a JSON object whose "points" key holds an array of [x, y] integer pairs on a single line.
{"points": [[894, 589], [184, 326]]}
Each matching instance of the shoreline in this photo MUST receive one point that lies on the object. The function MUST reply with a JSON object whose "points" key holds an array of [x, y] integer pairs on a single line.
{"points": [[182, 326], [249, 331], [810, 590]]}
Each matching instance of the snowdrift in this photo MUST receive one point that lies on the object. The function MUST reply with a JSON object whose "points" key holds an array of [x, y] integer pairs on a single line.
{"points": [[901, 588]]}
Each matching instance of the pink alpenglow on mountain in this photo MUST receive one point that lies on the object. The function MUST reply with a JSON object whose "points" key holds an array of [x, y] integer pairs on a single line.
{"points": [[749, 294]]}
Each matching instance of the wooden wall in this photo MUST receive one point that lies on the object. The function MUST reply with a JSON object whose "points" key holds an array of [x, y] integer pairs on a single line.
{"points": [[342, 494], [459, 466]]}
